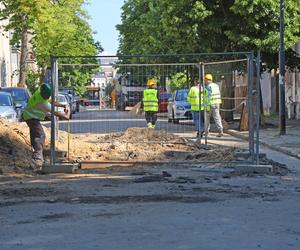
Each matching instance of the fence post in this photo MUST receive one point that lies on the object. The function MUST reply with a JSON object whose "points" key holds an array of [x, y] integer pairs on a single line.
{"points": [[53, 120], [250, 106], [257, 105]]}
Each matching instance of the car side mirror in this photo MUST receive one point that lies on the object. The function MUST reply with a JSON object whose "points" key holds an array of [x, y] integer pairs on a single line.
{"points": [[18, 106]]}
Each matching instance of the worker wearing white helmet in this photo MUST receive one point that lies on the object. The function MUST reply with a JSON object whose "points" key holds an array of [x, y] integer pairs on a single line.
{"points": [[215, 101]]}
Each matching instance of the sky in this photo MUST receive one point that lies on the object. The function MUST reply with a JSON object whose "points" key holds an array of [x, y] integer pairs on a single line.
{"points": [[105, 15]]}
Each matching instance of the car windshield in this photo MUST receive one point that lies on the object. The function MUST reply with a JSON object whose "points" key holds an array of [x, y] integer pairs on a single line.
{"points": [[181, 95], [17, 94], [5, 100], [164, 96], [61, 98]]}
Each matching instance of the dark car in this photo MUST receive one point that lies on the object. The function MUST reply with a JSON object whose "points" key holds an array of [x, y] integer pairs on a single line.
{"points": [[20, 97], [178, 107], [163, 102]]}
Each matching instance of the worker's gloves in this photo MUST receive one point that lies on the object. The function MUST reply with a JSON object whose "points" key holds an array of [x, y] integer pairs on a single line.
{"points": [[66, 110]]}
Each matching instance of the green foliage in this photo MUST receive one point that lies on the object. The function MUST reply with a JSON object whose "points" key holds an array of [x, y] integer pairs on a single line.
{"points": [[178, 81], [57, 28], [192, 26], [32, 80]]}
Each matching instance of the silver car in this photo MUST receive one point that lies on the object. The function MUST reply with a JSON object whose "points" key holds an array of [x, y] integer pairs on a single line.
{"points": [[7, 107], [63, 100], [178, 106]]}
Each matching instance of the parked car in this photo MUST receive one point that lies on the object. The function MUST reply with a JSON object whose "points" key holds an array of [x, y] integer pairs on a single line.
{"points": [[63, 100], [163, 102], [178, 107], [71, 101], [72, 98], [7, 107], [20, 97]]}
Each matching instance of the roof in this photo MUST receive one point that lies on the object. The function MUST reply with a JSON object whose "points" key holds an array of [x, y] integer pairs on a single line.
{"points": [[13, 88], [4, 93]]}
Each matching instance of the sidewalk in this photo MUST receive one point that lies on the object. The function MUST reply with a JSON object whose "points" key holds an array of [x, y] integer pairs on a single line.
{"points": [[269, 137]]}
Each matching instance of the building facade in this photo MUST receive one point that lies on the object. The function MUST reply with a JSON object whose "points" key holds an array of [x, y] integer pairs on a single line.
{"points": [[9, 58]]}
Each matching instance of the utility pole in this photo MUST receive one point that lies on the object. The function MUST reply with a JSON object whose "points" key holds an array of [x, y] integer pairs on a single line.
{"points": [[282, 121]]}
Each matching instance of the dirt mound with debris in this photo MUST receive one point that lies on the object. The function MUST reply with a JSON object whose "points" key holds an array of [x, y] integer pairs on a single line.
{"points": [[135, 144], [136, 134], [15, 149], [143, 144]]}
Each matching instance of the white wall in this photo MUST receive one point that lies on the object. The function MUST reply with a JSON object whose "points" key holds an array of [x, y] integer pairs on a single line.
{"points": [[266, 91], [5, 69]]}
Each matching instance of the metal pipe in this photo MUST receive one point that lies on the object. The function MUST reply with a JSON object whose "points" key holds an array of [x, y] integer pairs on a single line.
{"points": [[199, 86], [204, 104], [250, 106], [282, 121], [257, 105], [247, 53], [162, 162], [147, 64], [53, 82]]}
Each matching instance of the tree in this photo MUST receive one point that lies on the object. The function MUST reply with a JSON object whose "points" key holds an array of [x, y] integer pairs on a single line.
{"points": [[57, 28], [192, 26], [21, 15], [178, 81]]}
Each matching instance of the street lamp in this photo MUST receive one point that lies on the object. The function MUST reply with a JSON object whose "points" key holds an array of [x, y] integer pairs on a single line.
{"points": [[282, 121]]}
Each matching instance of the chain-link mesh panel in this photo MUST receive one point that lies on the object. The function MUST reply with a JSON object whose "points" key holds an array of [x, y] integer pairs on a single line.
{"points": [[105, 93]]}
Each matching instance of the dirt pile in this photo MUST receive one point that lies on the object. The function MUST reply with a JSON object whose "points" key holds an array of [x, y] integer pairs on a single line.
{"points": [[135, 144], [143, 144], [15, 150]]}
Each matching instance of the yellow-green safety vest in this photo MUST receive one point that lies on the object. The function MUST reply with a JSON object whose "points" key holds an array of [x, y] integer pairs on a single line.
{"points": [[31, 111], [150, 100], [215, 97], [193, 99]]}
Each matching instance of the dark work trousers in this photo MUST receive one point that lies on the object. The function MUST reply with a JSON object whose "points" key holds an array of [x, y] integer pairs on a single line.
{"points": [[37, 138], [151, 116]]}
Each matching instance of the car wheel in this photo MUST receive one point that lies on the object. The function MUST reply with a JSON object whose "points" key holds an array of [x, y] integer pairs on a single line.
{"points": [[175, 121]]}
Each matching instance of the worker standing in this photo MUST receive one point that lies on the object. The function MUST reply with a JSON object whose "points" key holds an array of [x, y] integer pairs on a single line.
{"points": [[36, 111], [198, 98], [215, 102], [150, 103]]}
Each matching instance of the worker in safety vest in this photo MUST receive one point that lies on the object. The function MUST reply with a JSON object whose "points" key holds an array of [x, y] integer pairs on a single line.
{"points": [[215, 102], [150, 103], [198, 100], [36, 110]]}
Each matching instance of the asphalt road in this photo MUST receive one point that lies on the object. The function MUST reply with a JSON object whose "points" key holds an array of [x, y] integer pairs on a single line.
{"points": [[108, 121]]}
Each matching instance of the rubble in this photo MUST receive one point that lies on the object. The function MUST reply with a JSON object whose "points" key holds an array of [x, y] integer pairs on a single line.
{"points": [[135, 144]]}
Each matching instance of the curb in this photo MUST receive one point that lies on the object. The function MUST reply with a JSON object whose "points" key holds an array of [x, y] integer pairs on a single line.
{"points": [[278, 149]]}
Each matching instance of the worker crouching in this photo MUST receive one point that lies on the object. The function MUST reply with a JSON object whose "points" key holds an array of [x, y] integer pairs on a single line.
{"points": [[150, 103], [36, 111]]}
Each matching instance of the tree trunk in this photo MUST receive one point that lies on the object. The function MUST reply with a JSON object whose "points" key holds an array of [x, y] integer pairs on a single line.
{"points": [[24, 53], [42, 75]]}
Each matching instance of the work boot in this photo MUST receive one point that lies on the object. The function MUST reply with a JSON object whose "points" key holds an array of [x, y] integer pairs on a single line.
{"points": [[220, 134], [200, 134], [38, 162], [38, 158]]}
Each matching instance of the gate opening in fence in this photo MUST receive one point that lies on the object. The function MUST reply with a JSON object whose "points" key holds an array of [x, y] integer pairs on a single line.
{"points": [[104, 94]]}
